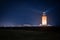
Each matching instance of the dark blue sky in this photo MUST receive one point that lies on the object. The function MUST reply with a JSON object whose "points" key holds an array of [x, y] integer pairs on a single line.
{"points": [[29, 11]]}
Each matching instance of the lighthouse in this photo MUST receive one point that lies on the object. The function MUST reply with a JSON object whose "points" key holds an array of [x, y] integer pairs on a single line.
{"points": [[44, 18], [44, 21]]}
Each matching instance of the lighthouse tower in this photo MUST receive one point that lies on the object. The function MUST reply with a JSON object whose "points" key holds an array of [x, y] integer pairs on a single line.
{"points": [[44, 18]]}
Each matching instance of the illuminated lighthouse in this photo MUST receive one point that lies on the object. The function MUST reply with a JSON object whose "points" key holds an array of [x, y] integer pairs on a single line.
{"points": [[44, 20]]}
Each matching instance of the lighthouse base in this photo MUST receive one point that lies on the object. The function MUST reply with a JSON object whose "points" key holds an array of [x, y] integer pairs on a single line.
{"points": [[45, 25]]}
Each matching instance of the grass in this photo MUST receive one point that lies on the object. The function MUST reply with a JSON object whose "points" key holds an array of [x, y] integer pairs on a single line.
{"points": [[12, 34]]}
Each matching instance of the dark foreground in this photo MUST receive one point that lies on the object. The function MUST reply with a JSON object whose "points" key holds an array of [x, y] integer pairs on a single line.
{"points": [[30, 33]]}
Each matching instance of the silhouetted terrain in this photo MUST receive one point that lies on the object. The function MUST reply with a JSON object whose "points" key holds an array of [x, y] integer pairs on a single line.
{"points": [[30, 33]]}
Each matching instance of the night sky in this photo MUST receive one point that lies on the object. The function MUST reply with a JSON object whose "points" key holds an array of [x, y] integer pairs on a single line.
{"points": [[16, 12]]}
